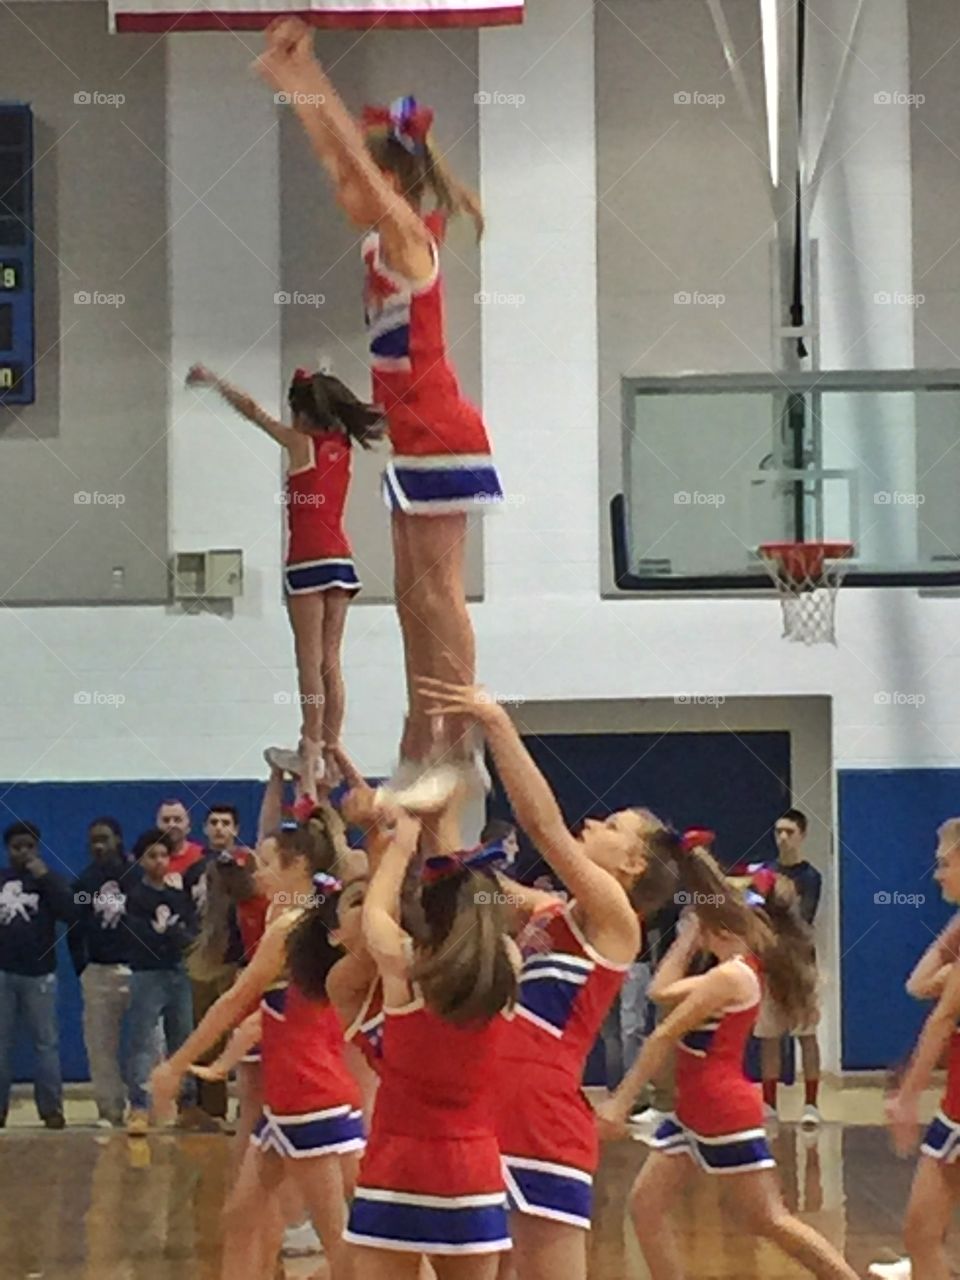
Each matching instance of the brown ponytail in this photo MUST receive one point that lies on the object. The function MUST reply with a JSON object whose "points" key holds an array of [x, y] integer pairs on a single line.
{"points": [[463, 966], [320, 838], [790, 964], [427, 168]]}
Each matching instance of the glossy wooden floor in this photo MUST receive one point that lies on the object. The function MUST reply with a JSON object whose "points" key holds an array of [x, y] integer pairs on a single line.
{"points": [[82, 1205]]}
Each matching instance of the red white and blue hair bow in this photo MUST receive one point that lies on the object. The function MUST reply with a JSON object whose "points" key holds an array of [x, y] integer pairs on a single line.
{"points": [[327, 883], [451, 864], [404, 120], [697, 838]]}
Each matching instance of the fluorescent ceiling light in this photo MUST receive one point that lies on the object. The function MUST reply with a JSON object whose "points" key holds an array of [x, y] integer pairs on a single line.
{"points": [[771, 74]]}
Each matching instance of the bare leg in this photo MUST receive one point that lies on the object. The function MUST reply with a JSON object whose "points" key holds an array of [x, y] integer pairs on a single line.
{"points": [[334, 703], [250, 1100], [417, 730], [307, 619], [810, 1056], [546, 1250], [471, 1267], [435, 594], [320, 1182], [756, 1199], [385, 1264], [251, 1220], [770, 1060], [654, 1194], [933, 1198]]}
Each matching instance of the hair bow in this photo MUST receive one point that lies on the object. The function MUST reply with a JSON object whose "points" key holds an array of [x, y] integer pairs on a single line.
{"points": [[697, 838], [302, 375], [289, 824], [764, 881], [441, 867], [405, 120], [327, 882]]}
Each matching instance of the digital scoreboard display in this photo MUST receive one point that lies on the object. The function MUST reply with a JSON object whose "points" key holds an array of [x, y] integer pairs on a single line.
{"points": [[16, 255]]}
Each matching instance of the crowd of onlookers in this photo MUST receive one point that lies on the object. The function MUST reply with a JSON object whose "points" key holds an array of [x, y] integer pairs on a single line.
{"points": [[130, 918]]}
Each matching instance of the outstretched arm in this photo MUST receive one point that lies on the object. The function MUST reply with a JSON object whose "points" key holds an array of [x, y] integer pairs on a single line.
{"points": [[246, 406], [387, 941], [244, 1038], [290, 66], [271, 807], [613, 926]]}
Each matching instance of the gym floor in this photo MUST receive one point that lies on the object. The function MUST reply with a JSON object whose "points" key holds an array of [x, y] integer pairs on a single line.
{"points": [[92, 1205]]}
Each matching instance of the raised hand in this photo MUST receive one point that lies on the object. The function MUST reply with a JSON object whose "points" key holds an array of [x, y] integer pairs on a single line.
{"points": [[289, 52], [200, 376], [445, 699]]}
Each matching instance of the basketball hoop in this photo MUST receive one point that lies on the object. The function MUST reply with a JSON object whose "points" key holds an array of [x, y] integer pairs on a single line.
{"points": [[807, 576]]}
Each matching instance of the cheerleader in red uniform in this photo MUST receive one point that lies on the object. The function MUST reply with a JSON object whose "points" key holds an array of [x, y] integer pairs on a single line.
{"points": [[430, 1183], [311, 1127], [320, 578], [441, 466], [576, 955], [718, 1126], [935, 1195]]}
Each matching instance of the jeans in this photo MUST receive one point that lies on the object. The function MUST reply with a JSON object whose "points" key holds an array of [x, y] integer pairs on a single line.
{"points": [[106, 998], [158, 994], [31, 1002]]}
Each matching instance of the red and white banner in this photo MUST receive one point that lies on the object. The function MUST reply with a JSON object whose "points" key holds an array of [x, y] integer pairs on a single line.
{"points": [[251, 15]]}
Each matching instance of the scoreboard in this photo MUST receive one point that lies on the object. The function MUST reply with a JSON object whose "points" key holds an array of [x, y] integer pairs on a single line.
{"points": [[16, 255]]}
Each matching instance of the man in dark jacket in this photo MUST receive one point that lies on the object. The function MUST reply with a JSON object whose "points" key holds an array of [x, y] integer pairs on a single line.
{"points": [[100, 946], [32, 900]]}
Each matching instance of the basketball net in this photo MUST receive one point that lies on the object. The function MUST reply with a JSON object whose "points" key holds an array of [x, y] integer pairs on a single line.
{"points": [[807, 577]]}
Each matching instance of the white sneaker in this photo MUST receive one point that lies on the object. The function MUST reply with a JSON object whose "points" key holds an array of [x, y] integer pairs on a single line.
{"points": [[301, 1241], [891, 1270], [644, 1124], [283, 758], [811, 1117], [432, 791]]}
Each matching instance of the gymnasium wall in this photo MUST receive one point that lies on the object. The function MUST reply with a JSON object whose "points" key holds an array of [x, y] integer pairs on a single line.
{"points": [[83, 496], [205, 693]]}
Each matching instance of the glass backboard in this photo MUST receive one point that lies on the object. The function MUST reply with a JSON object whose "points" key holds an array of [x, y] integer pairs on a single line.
{"points": [[713, 466]]}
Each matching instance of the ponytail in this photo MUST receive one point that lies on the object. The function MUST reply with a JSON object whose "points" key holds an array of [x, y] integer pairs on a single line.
{"points": [[464, 967], [310, 953], [451, 195], [329, 405], [227, 883], [790, 961]]}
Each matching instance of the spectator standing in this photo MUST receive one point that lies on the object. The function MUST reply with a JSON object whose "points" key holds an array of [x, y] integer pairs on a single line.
{"points": [[33, 899], [100, 946]]}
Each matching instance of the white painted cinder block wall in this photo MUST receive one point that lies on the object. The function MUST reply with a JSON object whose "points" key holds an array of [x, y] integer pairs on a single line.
{"points": [[200, 691]]}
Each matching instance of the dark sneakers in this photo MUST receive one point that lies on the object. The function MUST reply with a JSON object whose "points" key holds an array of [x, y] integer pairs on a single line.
{"points": [[55, 1121]]}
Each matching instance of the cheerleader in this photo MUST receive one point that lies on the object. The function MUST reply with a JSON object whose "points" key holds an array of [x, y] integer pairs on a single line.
{"points": [[319, 577], [935, 1194], [718, 1125], [311, 1128], [577, 956], [430, 1183], [441, 465]]}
